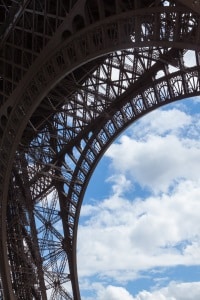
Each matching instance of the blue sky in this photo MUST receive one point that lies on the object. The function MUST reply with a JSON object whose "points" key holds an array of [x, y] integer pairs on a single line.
{"points": [[139, 232]]}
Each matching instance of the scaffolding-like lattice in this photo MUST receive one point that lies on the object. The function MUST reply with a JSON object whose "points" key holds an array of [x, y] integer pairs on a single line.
{"points": [[73, 76]]}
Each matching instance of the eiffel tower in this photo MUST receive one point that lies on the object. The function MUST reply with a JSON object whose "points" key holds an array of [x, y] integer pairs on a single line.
{"points": [[73, 75]]}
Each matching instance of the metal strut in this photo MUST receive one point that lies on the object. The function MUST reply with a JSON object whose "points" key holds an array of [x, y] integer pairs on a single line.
{"points": [[73, 76]]}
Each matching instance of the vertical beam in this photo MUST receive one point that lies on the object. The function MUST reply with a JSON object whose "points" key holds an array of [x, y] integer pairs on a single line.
{"points": [[5, 272]]}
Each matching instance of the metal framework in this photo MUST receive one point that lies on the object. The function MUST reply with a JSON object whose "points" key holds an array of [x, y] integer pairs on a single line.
{"points": [[73, 75]]}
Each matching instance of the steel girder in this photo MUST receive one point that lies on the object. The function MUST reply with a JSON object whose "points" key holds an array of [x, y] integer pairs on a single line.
{"points": [[68, 89]]}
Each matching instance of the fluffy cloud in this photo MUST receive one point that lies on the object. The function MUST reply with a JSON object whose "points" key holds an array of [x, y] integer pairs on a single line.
{"points": [[160, 122], [174, 291], [119, 237], [114, 293], [157, 154], [125, 237]]}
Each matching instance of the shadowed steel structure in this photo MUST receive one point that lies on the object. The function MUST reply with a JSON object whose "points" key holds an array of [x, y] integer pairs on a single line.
{"points": [[73, 75]]}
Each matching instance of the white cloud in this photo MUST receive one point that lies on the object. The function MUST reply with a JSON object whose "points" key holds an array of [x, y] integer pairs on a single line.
{"points": [[156, 162], [120, 184], [114, 293], [161, 122], [122, 238], [157, 155], [174, 291]]}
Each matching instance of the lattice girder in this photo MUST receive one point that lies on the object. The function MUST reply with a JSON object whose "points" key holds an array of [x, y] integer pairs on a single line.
{"points": [[74, 170], [64, 120]]}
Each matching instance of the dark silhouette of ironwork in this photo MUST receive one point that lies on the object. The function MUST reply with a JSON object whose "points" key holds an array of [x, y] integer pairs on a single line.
{"points": [[73, 75]]}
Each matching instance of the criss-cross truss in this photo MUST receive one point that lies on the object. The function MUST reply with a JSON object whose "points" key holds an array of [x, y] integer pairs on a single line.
{"points": [[73, 75]]}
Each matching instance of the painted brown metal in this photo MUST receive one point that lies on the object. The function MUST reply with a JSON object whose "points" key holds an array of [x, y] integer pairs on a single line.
{"points": [[73, 76]]}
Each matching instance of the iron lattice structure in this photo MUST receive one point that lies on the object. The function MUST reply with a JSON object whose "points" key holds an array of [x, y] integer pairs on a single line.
{"points": [[73, 75]]}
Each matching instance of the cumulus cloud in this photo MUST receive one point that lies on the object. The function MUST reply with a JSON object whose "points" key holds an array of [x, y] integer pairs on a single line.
{"points": [[114, 293], [157, 155], [126, 237], [120, 184], [160, 122], [174, 291], [120, 238]]}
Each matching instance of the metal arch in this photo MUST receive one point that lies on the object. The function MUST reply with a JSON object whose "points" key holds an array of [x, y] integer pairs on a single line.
{"points": [[37, 83], [121, 112], [136, 28], [16, 125], [131, 107]]}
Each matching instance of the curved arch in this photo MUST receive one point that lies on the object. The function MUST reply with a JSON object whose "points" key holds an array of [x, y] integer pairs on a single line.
{"points": [[89, 145], [99, 141], [136, 28]]}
